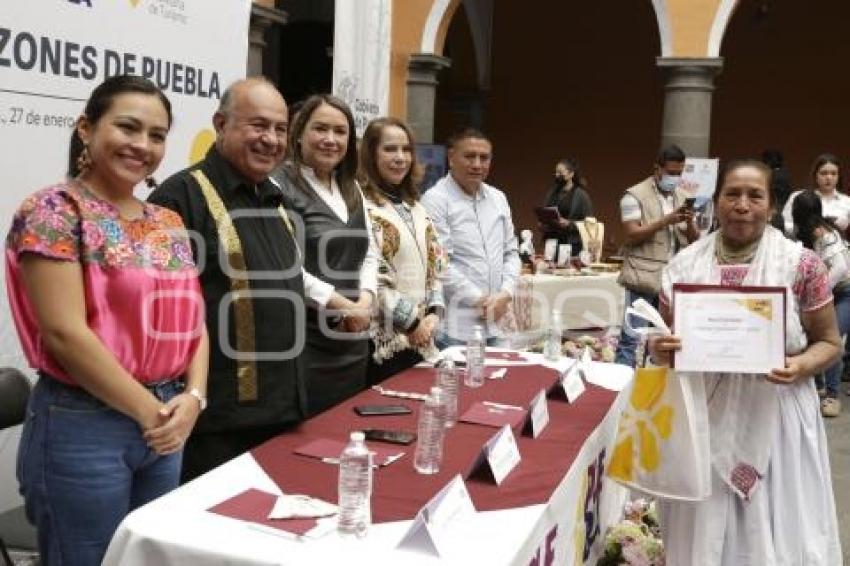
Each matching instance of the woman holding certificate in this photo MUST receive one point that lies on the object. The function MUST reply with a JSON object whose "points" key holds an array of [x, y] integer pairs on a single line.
{"points": [[771, 500]]}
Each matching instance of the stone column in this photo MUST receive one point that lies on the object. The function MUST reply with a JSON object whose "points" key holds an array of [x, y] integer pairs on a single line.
{"points": [[422, 93], [688, 87], [262, 18]]}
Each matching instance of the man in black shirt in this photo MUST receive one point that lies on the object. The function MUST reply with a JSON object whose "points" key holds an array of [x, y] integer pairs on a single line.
{"points": [[251, 277]]}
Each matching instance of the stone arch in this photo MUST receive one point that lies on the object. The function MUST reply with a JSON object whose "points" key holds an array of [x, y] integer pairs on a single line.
{"points": [[719, 26], [664, 34], [437, 24]]}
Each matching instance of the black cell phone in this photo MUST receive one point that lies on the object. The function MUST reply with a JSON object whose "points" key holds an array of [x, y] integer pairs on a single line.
{"points": [[377, 410], [690, 201], [391, 436]]}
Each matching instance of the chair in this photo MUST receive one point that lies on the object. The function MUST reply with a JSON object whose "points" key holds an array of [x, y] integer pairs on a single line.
{"points": [[14, 394]]}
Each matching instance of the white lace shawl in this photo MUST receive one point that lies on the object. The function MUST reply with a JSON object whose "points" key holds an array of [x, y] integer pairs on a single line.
{"points": [[743, 409]]}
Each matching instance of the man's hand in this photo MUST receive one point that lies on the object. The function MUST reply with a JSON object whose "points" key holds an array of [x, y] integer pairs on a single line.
{"points": [[682, 214], [494, 307]]}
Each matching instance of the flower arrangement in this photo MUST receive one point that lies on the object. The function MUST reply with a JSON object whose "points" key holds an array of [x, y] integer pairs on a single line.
{"points": [[636, 540]]}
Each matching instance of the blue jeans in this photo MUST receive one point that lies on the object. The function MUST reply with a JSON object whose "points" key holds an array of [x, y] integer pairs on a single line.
{"points": [[629, 341], [82, 467], [832, 375]]}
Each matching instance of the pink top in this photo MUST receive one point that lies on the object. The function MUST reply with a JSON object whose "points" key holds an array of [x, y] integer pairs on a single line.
{"points": [[143, 299], [811, 284]]}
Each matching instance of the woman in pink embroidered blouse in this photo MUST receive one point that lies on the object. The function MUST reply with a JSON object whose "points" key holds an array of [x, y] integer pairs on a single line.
{"points": [[106, 301]]}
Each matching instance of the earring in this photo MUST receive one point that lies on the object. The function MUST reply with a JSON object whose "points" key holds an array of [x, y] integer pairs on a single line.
{"points": [[84, 160], [151, 182]]}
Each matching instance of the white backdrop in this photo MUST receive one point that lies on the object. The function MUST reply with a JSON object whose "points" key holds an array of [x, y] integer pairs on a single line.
{"points": [[361, 74], [54, 52]]}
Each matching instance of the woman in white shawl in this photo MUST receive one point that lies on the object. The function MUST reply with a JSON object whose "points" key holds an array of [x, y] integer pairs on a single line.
{"points": [[772, 500]]}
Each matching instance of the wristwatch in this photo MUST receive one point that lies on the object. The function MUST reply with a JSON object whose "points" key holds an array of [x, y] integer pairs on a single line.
{"points": [[202, 401]]}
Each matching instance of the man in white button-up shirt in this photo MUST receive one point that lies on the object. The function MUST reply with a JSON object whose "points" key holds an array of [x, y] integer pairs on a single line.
{"points": [[474, 222]]}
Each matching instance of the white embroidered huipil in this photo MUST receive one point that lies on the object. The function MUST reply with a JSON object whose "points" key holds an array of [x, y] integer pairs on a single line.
{"points": [[771, 501]]}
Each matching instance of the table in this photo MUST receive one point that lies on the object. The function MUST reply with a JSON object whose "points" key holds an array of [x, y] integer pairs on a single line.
{"points": [[585, 301], [555, 504]]}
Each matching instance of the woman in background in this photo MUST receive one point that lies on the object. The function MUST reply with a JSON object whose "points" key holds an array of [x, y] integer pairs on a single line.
{"points": [[818, 234], [410, 300], [570, 197], [827, 183], [108, 307]]}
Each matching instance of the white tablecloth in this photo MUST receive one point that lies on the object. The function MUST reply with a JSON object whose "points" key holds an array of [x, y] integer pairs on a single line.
{"points": [[585, 301], [176, 528]]}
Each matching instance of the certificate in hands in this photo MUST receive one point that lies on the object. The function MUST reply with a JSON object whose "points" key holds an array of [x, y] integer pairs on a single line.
{"points": [[729, 329]]}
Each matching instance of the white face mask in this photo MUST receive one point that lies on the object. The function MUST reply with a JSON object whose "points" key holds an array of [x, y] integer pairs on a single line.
{"points": [[668, 183]]}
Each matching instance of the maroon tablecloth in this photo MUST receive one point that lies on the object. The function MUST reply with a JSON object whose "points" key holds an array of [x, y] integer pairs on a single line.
{"points": [[399, 492]]}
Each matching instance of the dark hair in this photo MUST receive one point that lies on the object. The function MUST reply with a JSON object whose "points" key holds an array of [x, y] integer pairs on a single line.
{"points": [[572, 164], [99, 103], [772, 158], [467, 133], [807, 212], [346, 171], [671, 152], [736, 164], [820, 161], [368, 175]]}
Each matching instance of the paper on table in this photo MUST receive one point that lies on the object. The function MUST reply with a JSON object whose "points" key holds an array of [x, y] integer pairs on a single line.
{"points": [[254, 505], [298, 506], [329, 450], [494, 414]]}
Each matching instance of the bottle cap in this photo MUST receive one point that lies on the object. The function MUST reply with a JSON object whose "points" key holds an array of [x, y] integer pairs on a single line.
{"points": [[358, 436]]}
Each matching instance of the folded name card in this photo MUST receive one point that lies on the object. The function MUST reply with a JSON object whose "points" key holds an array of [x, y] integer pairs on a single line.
{"points": [[538, 415], [569, 386], [488, 413], [452, 504], [498, 456]]}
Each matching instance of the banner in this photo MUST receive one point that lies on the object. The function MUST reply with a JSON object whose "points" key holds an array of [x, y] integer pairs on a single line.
{"points": [[361, 73], [54, 52]]}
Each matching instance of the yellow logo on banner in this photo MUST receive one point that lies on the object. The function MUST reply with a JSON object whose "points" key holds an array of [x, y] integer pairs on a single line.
{"points": [[580, 531], [644, 423], [200, 145], [134, 3]]}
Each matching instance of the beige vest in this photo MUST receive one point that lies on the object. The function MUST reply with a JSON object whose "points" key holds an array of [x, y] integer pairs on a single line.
{"points": [[642, 263]]}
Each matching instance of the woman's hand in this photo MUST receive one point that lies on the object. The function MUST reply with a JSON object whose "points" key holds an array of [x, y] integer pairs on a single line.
{"points": [[420, 337], [358, 316], [661, 348], [794, 369], [177, 418]]}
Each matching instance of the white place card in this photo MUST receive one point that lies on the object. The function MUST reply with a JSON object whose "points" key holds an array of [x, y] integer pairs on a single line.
{"points": [[572, 382], [498, 456], [538, 415], [450, 504]]}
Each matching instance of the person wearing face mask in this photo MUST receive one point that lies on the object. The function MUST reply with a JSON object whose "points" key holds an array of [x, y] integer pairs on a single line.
{"points": [[251, 277], [569, 196], [657, 222]]}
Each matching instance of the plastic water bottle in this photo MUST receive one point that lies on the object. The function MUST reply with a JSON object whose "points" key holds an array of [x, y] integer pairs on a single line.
{"points": [[431, 431], [475, 358], [447, 381], [552, 345], [355, 487]]}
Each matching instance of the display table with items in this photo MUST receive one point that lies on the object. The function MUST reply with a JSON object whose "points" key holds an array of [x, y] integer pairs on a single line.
{"points": [[554, 503], [586, 298]]}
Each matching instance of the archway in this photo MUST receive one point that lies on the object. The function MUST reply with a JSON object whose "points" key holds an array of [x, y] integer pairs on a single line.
{"points": [[783, 85], [600, 101]]}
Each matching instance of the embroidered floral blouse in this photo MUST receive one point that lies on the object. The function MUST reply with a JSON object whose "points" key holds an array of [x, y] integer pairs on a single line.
{"points": [[143, 299], [410, 263]]}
